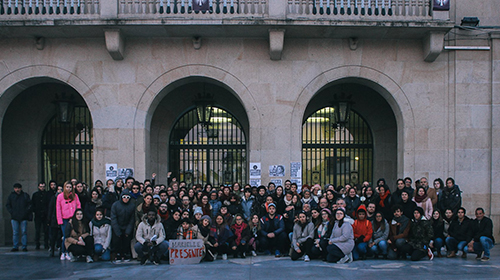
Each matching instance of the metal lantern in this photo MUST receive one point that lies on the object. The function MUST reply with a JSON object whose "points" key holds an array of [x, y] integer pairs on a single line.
{"points": [[342, 105], [65, 108], [204, 104]]}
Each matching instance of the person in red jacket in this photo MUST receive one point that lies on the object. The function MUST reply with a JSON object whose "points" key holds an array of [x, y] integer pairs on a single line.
{"points": [[362, 233]]}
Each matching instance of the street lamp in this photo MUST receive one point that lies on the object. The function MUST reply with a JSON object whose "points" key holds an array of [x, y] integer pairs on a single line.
{"points": [[65, 106], [342, 107], [204, 104]]}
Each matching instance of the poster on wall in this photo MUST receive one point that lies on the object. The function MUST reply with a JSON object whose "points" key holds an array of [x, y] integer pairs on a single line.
{"points": [[298, 182], [276, 170], [277, 182], [111, 171], [124, 173], [296, 169], [255, 170], [255, 182], [441, 5]]}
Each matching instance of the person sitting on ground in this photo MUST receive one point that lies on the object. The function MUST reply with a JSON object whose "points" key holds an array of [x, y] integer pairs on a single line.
{"points": [[378, 244], [100, 230], [483, 240], [460, 232], [254, 225], [419, 237], [371, 208], [398, 233], [78, 241], [273, 235], [150, 235], [322, 234], [341, 242], [363, 231], [302, 238], [438, 230], [208, 241], [242, 235], [187, 230], [222, 235]]}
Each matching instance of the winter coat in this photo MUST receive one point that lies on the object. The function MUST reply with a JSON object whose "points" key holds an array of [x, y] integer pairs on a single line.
{"points": [[90, 209], [192, 233], [301, 234], [450, 199], [379, 234], [438, 229], [246, 234], [40, 202], [343, 237], [265, 223], [66, 208], [108, 200], [51, 213], [247, 207], [482, 228], [426, 204], [19, 206], [147, 231], [72, 235], [421, 234], [102, 235], [352, 204], [362, 228], [216, 205], [122, 218], [170, 226], [408, 208], [461, 231]]}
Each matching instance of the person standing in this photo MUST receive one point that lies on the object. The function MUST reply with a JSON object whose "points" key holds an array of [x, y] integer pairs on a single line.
{"points": [[19, 207], [122, 224], [66, 205], [40, 202]]}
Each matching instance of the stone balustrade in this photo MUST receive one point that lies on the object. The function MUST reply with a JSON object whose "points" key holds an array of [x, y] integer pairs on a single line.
{"points": [[218, 9]]}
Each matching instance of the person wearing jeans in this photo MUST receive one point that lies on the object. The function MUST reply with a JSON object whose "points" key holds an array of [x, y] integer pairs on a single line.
{"points": [[19, 207], [378, 244], [483, 240]]}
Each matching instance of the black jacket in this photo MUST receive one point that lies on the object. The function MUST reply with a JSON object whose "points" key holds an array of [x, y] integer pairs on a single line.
{"points": [[123, 218], [461, 231], [482, 228], [19, 206], [40, 204], [450, 198]]}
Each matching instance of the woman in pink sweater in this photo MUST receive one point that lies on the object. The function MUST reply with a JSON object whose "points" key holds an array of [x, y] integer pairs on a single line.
{"points": [[66, 204]]}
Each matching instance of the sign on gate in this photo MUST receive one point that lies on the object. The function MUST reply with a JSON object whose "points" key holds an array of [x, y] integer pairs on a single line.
{"points": [[186, 251]]}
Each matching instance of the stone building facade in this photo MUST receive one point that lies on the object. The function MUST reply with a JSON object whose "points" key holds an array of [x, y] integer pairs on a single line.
{"points": [[427, 87]]}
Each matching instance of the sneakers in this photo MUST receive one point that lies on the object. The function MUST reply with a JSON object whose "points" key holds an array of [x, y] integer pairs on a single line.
{"points": [[89, 259], [430, 254], [14, 250], [144, 259], [63, 256], [485, 259], [479, 256], [254, 254], [306, 258], [344, 259], [224, 257], [71, 257], [350, 258], [117, 261], [277, 254], [156, 261]]}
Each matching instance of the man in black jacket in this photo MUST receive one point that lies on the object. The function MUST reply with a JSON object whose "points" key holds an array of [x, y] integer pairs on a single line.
{"points": [[460, 232], [483, 240], [40, 201], [19, 207], [122, 223]]}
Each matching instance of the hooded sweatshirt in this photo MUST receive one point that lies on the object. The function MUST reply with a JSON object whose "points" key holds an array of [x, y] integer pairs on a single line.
{"points": [[362, 228], [147, 231]]}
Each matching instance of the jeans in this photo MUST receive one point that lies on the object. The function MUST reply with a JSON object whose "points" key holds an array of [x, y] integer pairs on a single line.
{"points": [[63, 229], [41, 227], [19, 227], [157, 250], [438, 244], [359, 250], [484, 244], [99, 251], [380, 248], [455, 245]]}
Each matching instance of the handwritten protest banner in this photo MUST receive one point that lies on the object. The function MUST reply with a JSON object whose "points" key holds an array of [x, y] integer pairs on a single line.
{"points": [[186, 251]]}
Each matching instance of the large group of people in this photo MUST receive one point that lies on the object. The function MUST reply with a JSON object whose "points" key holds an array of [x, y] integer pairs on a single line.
{"points": [[127, 219]]}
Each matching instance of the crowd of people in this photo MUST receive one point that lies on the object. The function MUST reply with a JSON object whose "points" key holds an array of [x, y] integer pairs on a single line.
{"points": [[127, 219]]}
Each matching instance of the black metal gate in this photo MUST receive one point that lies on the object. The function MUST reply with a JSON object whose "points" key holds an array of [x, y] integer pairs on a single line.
{"points": [[67, 149], [213, 154], [336, 155]]}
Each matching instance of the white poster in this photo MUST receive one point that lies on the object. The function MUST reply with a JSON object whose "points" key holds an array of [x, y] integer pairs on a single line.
{"points": [[277, 182], [124, 173], [111, 171], [276, 170], [186, 251], [296, 169], [255, 182], [255, 170]]}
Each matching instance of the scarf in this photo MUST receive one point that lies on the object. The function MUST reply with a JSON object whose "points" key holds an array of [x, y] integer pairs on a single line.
{"points": [[383, 197], [419, 198], [163, 216], [99, 223], [204, 230], [403, 221], [145, 208], [97, 202], [135, 195], [238, 229], [323, 228], [287, 202]]}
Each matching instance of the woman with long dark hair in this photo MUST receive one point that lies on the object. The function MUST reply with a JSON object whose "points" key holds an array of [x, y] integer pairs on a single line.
{"points": [[78, 241], [66, 205], [341, 242], [378, 244], [222, 234]]}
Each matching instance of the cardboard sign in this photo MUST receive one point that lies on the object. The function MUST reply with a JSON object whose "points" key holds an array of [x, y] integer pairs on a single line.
{"points": [[186, 251]]}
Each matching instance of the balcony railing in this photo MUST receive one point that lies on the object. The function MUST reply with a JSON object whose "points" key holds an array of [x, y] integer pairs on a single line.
{"points": [[361, 8], [284, 9], [57, 8]]}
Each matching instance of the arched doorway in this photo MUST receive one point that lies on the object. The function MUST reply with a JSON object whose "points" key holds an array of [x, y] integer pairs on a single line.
{"points": [[214, 154], [67, 148], [333, 154]]}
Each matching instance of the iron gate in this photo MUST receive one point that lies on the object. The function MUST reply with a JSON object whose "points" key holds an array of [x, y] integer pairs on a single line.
{"points": [[336, 155], [213, 154], [67, 149]]}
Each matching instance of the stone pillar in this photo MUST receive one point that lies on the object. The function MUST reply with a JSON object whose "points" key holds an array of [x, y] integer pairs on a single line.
{"points": [[277, 9], [109, 9], [494, 195]]}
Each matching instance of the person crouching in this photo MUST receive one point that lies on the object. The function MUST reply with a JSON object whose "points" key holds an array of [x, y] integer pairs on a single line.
{"points": [[150, 235]]}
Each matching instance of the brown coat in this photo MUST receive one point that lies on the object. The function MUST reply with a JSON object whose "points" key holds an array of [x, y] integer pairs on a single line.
{"points": [[72, 236]]}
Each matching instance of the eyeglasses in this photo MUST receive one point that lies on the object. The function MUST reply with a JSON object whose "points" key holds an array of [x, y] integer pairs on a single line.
{"points": [[126, 196]]}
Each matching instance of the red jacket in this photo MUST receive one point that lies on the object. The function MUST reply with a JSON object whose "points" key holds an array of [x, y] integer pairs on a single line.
{"points": [[362, 227]]}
